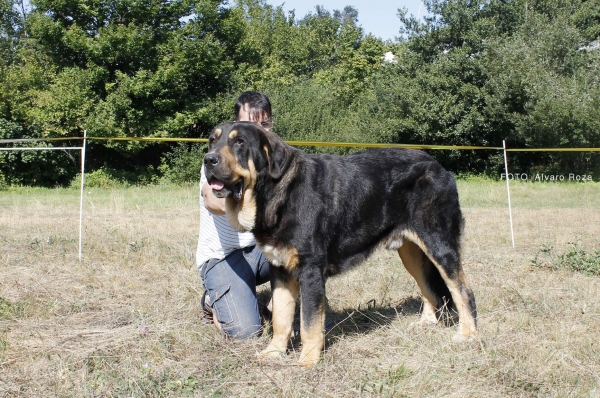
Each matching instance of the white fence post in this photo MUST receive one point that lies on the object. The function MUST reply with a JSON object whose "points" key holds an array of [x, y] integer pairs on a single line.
{"points": [[512, 235], [81, 191]]}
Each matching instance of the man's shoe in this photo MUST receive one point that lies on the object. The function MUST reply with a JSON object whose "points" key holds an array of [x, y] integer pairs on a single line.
{"points": [[207, 310]]}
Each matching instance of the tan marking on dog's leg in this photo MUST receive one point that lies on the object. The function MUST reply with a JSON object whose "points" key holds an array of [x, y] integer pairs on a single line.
{"points": [[284, 306], [313, 337], [412, 258], [467, 326], [459, 289]]}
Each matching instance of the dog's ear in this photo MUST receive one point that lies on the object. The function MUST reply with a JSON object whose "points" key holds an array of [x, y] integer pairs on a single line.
{"points": [[278, 154]]}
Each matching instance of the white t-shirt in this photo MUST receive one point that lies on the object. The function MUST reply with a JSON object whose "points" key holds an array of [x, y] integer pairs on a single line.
{"points": [[217, 238]]}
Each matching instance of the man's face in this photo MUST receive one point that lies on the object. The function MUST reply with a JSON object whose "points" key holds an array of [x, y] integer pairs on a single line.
{"points": [[245, 116]]}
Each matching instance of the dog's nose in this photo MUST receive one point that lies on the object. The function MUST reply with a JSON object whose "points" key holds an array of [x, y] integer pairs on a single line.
{"points": [[211, 160]]}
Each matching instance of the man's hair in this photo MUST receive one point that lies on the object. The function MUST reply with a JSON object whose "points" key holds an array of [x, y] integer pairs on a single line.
{"points": [[259, 105]]}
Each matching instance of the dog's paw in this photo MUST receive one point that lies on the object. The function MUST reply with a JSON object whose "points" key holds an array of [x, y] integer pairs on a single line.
{"points": [[459, 337], [422, 323], [307, 364], [308, 360], [271, 352]]}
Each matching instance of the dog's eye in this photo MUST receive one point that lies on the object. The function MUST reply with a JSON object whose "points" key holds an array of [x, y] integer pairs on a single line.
{"points": [[211, 140], [238, 142]]}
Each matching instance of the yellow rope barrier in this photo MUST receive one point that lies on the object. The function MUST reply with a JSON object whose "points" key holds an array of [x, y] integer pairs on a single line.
{"points": [[149, 139], [314, 143], [369, 145], [552, 149]]}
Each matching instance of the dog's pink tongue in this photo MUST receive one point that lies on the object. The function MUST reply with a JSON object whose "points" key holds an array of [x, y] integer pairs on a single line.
{"points": [[216, 185]]}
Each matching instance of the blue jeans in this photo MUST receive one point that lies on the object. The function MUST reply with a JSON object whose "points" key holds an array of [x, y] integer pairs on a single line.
{"points": [[231, 287]]}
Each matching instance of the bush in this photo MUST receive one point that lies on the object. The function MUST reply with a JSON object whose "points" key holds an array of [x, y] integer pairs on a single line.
{"points": [[183, 164], [108, 177], [38, 168], [3, 184], [101, 178], [575, 259], [473, 177], [580, 260]]}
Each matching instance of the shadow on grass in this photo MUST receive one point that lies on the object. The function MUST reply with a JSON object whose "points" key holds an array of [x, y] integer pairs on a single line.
{"points": [[362, 320], [367, 318]]}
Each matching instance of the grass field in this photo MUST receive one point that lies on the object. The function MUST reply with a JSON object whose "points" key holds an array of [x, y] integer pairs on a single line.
{"points": [[126, 321]]}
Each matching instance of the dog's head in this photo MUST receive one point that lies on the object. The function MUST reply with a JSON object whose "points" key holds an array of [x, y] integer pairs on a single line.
{"points": [[239, 154]]}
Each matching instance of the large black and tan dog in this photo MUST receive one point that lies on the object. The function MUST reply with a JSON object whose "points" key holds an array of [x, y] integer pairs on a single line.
{"points": [[315, 216]]}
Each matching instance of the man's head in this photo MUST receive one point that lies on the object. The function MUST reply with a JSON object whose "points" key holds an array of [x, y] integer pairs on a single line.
{"points": [[254, 106]]}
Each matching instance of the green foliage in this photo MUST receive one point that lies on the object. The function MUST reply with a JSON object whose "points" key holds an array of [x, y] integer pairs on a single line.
{"points": [[580, 260], [43, 168], [5, 308], [3, 184], [308, 111], [125, 67], [575, 258], [505, 70], [67, 102], [387, 385], [10, 25], [11, 310], [107, 177], [474, 178], [472, 73], [183, 164], [100, 178]]}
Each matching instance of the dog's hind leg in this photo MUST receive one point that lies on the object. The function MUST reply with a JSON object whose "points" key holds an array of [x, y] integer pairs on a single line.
{"points": [[446, 257], [433, 288], [312, 315], [285, 294], [465, 303]]}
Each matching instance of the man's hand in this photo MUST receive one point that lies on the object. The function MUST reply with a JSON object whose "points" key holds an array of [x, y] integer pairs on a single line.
{"points": [[211, 202]]}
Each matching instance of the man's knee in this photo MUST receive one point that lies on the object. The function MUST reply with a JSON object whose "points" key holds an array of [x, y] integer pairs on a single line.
{"points": [[242, 332], [238, 317], [237, 326]]}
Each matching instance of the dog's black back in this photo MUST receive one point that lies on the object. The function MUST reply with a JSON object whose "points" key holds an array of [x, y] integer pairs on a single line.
{"points": [[350, 205]]}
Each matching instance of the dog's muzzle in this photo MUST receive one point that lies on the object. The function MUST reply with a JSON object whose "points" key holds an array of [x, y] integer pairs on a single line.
{"points": [[220, 186], [211, 160]]}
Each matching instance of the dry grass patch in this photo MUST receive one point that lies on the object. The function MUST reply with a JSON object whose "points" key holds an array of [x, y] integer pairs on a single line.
{"points": [[126, 321]]}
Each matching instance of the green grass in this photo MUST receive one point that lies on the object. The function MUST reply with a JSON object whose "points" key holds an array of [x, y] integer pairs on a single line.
{"points": [[473, 192], [157, 197], [480, 192]]}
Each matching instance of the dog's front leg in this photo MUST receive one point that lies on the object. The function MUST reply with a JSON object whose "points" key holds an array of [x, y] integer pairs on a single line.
{"points": [[312, 316], [285, 294]]}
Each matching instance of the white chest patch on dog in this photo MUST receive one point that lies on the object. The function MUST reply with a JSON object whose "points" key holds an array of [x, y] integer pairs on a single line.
{"points": [[395, 244], [272, 254], [286, 257]]}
